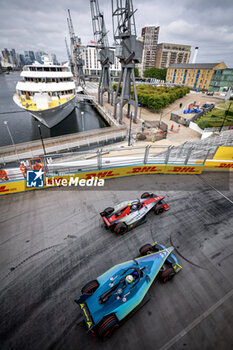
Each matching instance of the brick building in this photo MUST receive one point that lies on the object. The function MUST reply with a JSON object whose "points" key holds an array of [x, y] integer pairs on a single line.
{"points": [[194, 75], [150, 37], [168, 54]]}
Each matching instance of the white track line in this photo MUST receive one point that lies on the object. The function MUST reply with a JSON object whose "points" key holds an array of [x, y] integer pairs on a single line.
{"points": [[229, 200], [196, 322]]}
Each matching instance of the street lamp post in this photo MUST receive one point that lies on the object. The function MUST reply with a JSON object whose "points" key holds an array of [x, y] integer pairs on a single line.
{"points": [[139, 105], [5, 122], [161, 116], [130, 127], [226, 114], [42, 141], [82, 113]]}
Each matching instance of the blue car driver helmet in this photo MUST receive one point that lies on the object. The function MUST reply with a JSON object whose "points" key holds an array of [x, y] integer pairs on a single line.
{"points": [[129, 279]]}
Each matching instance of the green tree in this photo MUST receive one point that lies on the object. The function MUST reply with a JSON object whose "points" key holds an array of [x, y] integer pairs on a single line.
{"points": [[156, 73], [136, 72]]}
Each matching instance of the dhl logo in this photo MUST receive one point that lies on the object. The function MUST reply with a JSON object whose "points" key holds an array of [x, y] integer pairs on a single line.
{"points": [[143, 170], [4, 189], [226, 166], [180, 169], [102, 174]]}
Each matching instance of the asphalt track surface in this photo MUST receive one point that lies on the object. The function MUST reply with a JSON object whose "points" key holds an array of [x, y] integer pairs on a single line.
{"points": [[52, 242]]}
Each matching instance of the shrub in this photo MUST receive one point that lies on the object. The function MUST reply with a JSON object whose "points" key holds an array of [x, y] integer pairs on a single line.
{"points": [[157, 97]]}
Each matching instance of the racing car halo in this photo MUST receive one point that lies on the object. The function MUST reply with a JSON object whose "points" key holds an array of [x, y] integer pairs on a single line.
{"points": [[127, 215], [120, 291]]}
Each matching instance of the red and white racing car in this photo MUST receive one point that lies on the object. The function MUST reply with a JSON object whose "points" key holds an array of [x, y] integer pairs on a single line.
{"points": [[127, 215]]}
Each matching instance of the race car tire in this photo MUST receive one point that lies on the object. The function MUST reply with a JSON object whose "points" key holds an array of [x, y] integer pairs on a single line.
{"points": [[121, 228], [108, 211], [146, 249], [90, 287], [107, 326], [145, 195], [167, 275], [159, 210]]}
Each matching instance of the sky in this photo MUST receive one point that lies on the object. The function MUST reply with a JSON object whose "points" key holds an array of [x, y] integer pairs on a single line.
{"points": [[42, 24]]}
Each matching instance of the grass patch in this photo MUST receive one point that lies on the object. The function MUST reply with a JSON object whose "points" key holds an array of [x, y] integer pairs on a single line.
{"points": [[225, 105], [215, 118]]}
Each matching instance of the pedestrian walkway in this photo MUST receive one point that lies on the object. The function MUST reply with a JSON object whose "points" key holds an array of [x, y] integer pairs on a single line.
{"points": [[175, 137]]}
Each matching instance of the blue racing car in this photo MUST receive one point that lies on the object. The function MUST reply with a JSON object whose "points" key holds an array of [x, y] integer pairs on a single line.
{"points": [[108, 300]]}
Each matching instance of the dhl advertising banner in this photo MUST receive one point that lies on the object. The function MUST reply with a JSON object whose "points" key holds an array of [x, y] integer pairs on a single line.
{"points": [[223, 159], [12, 187], [219, 165], [71, 179], [225, 153]]}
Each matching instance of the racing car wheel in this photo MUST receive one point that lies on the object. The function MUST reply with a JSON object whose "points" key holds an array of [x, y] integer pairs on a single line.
{"points": [[146, 249], [167, 275], [107, 326], [108, 211], [90, 287], [145, 195], [121, 228], [159, 209]]}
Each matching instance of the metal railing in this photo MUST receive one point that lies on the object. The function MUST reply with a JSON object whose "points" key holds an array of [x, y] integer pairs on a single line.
{"points": [[61, 144], [107, 158], [128, 156]]}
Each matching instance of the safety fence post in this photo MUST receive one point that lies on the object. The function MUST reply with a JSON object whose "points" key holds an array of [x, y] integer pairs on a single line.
{"points": [[215, 151], [168, 154], [45, 163], [206, 156], [188, 155], [99, 159], [181, 149], [146, 154]]}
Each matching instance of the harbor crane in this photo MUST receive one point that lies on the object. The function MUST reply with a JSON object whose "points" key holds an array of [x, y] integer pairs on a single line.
{"points": [[105, 56], [76, 53], [129, 51], [69, 57]]}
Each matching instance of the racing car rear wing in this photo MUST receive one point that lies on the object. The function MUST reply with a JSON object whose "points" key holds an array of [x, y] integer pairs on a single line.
{"points": [[85, 313], [105, 220]]}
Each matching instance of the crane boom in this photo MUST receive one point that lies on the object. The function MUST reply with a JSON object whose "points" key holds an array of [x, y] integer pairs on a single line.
{"points": [[76, 53], [69, 56], [129, 51], [105, 55]]}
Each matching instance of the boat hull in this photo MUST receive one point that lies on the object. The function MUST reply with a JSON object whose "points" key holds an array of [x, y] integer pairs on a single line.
{"points": [[52, 116]]}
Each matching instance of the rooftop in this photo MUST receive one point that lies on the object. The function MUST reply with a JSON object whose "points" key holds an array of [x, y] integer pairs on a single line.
{"points": [[195, 65], [172, 44]]}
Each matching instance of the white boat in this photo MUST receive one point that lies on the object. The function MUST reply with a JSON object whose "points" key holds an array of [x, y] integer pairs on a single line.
{"points": [[47, 91]]}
